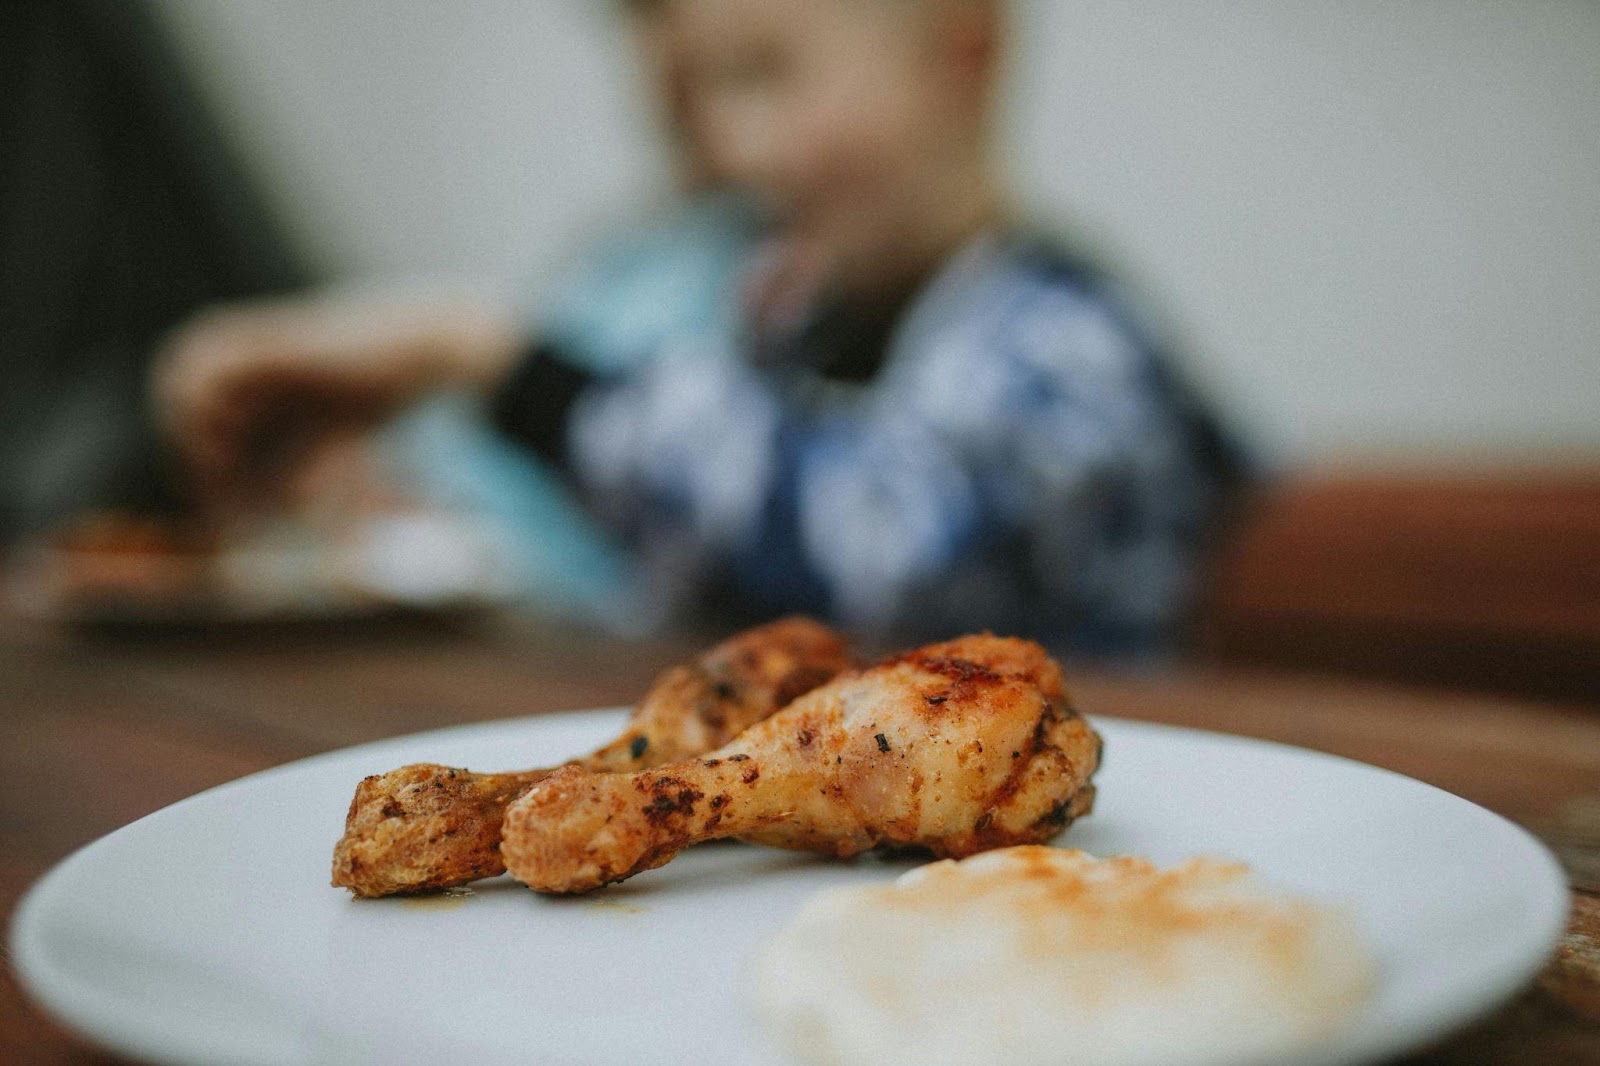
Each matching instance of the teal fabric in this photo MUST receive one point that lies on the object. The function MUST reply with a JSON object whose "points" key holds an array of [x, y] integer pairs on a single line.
{"points": [[670, 280], [673, 279]]}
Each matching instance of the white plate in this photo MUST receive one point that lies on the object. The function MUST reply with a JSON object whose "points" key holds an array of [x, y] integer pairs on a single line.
{"points": [[207, 932]]}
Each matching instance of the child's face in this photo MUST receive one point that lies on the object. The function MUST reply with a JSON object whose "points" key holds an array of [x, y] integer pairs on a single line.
{"points": [[843, 116]]}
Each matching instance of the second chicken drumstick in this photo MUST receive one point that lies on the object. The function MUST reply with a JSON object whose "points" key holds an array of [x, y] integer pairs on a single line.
{"points": [[424, 827], [956, 748]]}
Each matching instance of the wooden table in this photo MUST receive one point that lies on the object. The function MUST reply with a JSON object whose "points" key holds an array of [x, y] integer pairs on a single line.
{"points": [[95, 732]]}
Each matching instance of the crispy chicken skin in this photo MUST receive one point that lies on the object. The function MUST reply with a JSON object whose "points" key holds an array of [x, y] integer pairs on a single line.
{"points": [[426, 827], [955, 748]]}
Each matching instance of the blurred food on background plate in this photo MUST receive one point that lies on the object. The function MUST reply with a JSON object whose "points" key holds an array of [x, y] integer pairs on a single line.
{"points": [[118, 567]]}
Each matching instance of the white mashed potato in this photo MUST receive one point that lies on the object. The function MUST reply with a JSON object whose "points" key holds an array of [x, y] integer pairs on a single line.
{"points": [[1045, 955]]}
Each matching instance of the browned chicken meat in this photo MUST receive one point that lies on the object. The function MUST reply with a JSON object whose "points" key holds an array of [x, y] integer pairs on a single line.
{"points": [[426, 827], [956, 748]]}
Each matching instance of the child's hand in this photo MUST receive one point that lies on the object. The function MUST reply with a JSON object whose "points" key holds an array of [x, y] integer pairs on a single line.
{"points": [[251, 394], [785, 281]]}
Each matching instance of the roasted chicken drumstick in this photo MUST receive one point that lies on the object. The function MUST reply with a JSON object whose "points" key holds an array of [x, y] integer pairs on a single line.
{"points": [[956, 748], [426, 826]]}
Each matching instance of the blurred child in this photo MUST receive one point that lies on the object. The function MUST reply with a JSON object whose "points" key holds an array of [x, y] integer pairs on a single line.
{"points": [[910, 414]]}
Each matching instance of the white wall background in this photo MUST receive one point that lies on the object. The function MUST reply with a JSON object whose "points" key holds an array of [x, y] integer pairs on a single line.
{"points": [[1375, 224]]}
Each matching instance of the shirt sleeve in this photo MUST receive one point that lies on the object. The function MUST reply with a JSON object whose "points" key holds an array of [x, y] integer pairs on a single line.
{"points": [[534, 405]]}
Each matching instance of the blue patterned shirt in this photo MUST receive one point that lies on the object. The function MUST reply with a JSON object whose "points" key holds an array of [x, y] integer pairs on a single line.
{"points": [[1020, 459]]}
